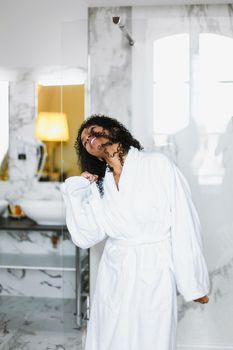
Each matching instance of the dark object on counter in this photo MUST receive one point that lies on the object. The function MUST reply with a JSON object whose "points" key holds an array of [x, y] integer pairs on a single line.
{"points": [[55, 239], [15, 211], [22, 156]]}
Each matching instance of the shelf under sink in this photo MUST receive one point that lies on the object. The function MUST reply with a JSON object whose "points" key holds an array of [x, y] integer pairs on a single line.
{"points": [[37, 262]]}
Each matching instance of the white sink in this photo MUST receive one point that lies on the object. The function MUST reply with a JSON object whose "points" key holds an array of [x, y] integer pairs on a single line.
{"points": [[44, 212], [3, 206]]}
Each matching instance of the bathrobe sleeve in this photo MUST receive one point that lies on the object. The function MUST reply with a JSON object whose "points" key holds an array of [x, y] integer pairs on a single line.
{"points": [[190, 267], [82, 212]]}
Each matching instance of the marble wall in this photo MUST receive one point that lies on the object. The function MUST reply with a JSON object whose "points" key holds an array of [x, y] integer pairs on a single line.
{"points": [[110, 64], [22, 126]]}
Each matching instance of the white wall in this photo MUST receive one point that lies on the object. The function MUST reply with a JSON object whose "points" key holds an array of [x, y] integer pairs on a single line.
{"points": [[47, 32]]}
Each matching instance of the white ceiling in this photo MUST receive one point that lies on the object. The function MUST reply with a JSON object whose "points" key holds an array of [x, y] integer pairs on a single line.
{"points": [[109, 3]]}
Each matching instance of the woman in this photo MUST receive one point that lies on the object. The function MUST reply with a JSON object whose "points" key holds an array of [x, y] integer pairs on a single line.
{"points": [[142, 204]]}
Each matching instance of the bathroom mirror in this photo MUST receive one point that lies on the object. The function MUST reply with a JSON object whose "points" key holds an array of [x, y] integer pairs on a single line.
{"points": [[24, 94], [4, 130], [60, 108]]}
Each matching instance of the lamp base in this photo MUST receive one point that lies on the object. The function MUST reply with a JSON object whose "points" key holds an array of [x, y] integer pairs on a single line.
{"points": [[51, 147]]}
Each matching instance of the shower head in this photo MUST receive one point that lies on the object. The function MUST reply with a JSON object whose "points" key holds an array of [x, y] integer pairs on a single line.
{"points": [[117, 20]]}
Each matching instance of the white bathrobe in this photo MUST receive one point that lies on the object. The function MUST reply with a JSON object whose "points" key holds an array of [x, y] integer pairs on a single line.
{"points": [[153, 250]]}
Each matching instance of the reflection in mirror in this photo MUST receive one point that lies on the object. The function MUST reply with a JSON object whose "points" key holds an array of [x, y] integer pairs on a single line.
{"points": [[60, 113], [4, 129]]}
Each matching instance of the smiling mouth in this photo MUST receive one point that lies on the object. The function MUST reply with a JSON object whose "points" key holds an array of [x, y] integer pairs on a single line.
{"points": [[92, 140]]}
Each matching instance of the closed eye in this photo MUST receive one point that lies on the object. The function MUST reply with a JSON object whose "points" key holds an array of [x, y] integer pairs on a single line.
{"points": [[91, 128], [89, 134], [83, 142]]}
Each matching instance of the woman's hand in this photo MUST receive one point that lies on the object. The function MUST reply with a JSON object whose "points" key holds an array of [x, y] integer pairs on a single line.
{"points": [[89, 176], [202, 300]]}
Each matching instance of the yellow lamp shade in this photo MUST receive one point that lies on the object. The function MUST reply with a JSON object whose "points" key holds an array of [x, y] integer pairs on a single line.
{"points": [[52, 127]]}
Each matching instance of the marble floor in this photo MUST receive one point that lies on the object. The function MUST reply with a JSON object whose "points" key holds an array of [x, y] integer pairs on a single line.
{"points": [[38, 324]]}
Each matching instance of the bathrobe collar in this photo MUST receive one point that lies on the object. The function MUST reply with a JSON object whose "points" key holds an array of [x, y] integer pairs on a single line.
{"points": [[127, 173]]}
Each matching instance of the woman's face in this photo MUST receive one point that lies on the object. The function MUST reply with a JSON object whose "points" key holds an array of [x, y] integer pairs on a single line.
{"points": [[92, 144]]}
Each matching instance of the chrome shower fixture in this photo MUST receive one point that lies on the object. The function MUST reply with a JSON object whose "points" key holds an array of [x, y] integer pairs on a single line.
{"points": [[117, 20]]}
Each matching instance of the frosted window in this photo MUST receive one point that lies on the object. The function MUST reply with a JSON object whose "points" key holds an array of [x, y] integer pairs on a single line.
{"points": [[216, 81], [171, 83], [215, 104], [211, 70]]}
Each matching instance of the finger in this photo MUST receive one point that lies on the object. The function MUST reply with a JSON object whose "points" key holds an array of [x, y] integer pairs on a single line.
{"points": [[89, 176], [203, 300], [94, 178], [86, 174]]}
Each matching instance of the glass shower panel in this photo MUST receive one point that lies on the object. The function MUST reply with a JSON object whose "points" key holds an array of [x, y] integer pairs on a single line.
{"points": [[200, 145]]}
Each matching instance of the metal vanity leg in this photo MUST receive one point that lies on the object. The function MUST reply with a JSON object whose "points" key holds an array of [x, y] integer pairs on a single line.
{"points": [[78, 287]]}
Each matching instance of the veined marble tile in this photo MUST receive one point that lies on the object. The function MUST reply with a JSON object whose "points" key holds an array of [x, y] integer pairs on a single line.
{"points": [[34, 242], [110, 64], [37, 323], [37, 283], [33, 248]]}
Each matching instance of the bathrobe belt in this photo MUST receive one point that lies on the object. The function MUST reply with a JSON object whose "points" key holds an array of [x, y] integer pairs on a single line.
{"points": [[135, 241], [162, 243]]}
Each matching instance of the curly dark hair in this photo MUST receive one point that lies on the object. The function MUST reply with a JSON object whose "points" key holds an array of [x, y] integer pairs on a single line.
{"points": [[117, 134]]}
